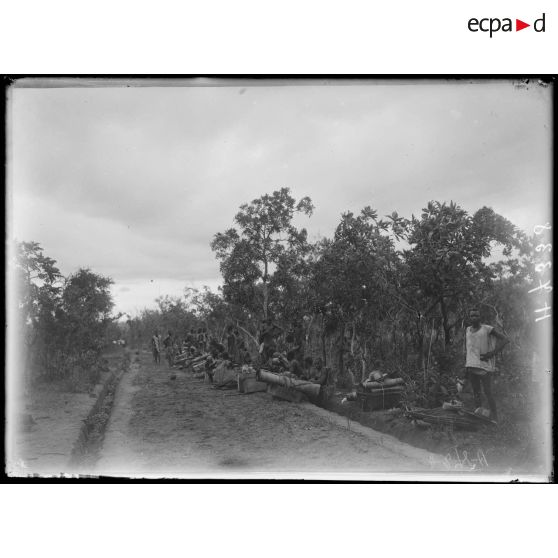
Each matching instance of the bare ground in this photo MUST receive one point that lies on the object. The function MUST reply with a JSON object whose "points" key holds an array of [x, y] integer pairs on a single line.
{"points": [[171, 427]]}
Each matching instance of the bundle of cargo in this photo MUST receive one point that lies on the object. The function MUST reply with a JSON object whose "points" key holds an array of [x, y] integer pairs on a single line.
{"points": [[186, 361], [199, 369], [225, 375], [204, 370], [247, 381], [379, 392], [199, 359], [379, 399], [458, 418], [289, 387], [370, 385]]}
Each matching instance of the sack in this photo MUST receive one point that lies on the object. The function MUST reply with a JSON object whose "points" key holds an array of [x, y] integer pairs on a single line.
{"points": [[225, 376]]}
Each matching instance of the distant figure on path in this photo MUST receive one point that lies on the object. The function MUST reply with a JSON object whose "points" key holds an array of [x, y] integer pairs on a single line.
{"points": [[156, 347], [482, 344], [168, 343]]}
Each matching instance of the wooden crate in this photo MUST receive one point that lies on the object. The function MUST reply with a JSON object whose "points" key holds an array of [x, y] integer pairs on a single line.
{"points": [[377, 401], [250, 385], [288, 394]]}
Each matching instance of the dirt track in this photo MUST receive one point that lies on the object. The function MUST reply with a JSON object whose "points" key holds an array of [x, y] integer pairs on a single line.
{"points": [[183, 426]]}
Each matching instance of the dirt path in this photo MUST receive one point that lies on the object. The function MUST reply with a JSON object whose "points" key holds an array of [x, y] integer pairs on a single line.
{"points": [[183, 426]]}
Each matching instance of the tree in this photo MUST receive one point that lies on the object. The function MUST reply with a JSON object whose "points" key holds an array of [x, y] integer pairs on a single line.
{"points": [[63, 321], [38, 283], [174, 315], [447, 259], [352, 276], [85, 313], [265, 239], [37, 279]]}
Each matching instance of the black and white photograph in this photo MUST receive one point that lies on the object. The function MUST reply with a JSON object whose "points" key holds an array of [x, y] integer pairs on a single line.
{"points": [[279, 278]]}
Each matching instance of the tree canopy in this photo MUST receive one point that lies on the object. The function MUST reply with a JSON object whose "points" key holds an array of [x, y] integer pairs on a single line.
{"points": [[265, 240]]}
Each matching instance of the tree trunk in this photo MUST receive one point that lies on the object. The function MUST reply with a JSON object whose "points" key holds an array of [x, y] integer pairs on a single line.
{"points": [[27, 366], [249, 335], [265, 290], [445, 323], [341, 366], [265, 298], [324, 352], [420, 345]]}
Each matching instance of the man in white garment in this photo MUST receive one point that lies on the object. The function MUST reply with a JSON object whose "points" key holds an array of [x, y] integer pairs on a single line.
{"points": [[483, 343]]}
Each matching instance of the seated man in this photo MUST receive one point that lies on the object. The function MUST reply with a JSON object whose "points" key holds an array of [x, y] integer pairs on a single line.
{"points": [[209, 362], [294, 366], [317, 371], [267, 339], [307, 367], [279, 361], [220, 350]]}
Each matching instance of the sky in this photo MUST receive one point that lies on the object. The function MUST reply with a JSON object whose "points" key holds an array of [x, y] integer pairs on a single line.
{"points": [[134, 181]]}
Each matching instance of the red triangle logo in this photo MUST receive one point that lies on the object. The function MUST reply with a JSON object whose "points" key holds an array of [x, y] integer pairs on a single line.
{"points": [[519, 25]]}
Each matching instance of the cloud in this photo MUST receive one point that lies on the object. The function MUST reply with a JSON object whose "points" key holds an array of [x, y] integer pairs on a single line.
{"points": [[134, 182]]}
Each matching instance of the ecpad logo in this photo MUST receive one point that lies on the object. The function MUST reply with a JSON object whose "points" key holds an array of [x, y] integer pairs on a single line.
{"points": [[493, 25]]}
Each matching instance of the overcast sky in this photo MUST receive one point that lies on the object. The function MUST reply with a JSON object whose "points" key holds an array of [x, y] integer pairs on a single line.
{"points": [[133, 182]]}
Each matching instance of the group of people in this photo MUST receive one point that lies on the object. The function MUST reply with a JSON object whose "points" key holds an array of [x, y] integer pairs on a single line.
{"points": [[482, 344], [199, 343], [291, 360], [169, 345]]}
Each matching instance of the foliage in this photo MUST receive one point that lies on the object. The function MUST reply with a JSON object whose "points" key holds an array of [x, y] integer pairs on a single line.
{"points": [[265, 239], [388, 293], [447, 261], [63, 321]]}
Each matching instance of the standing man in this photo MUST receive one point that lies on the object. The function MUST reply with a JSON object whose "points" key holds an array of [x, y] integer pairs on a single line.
{"points": [[295, 340], [156, 347], [202, 339], [168, 345], [245, 357], [232, 344], [482, 343], [233, 341], [267, 339], [191, 337]]}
